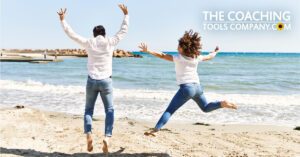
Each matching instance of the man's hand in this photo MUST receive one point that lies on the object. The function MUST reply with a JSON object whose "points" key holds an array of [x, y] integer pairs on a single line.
{"points": [[62, 13], [124, 9], [143, 47]]}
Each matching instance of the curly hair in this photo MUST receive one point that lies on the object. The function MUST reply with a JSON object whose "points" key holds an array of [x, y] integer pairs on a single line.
{"points": [[190, 44]]}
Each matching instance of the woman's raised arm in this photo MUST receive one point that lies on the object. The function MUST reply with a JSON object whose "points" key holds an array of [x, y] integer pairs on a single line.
{"points": [[211, 55], [143, 48]]}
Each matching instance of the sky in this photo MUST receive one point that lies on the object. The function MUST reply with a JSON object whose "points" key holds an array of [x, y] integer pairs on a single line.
{"points": [[35, 24]]}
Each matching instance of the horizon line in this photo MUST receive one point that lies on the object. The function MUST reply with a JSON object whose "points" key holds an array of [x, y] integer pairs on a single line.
{"points": [[161, 50]]}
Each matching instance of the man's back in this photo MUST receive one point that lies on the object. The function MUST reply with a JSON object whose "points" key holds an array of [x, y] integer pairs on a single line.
{"points": [[100, 49]]}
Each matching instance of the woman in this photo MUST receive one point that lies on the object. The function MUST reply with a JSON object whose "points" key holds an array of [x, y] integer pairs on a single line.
{"points": [[186, 63]]}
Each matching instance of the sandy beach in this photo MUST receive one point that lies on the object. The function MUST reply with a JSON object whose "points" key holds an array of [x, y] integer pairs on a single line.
{"points": [[31, 132]]}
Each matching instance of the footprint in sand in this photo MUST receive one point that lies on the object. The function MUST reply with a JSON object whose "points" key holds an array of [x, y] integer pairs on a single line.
{"points": [[200, 123], [131, 123]]}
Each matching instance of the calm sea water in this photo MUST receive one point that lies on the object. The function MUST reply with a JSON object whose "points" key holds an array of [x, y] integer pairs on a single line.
{"points": [[266, 86], [228, 73]]}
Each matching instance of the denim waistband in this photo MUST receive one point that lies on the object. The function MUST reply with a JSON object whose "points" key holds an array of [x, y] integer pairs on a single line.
{"points": [[89, 77], [187, 84]]}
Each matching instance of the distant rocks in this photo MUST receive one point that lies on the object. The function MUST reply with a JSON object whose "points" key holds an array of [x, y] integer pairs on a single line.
{"points": [[71, 52], [121, 53], [68, 52]]}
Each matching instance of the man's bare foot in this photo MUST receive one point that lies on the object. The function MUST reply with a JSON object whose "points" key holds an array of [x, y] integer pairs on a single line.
{"points": [[226, 104], [89, 143], [105, 145], [151, 133]]}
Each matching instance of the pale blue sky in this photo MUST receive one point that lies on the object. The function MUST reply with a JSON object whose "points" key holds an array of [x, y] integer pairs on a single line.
{"points": [[35, 24]]}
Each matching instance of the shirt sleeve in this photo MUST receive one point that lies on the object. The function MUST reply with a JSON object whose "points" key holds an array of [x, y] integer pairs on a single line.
{"points": [[74, 36], [200, 58], [121, 33], [175, 57]]}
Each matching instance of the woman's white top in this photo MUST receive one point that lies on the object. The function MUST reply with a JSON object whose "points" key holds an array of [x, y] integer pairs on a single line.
{"points": [[186, 69]]}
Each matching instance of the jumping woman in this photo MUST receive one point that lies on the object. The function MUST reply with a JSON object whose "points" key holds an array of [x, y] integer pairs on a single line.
{"points": [[186, 64]]}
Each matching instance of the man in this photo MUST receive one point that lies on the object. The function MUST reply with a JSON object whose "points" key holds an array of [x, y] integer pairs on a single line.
{"points": [[100, 51], [56, 53], [45, 54]]}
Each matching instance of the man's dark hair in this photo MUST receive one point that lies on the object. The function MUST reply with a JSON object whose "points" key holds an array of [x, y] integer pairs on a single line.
{"points": [[99, 30]]}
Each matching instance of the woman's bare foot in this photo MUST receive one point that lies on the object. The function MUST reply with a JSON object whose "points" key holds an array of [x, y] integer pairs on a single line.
{"points": [[89, 143], [226, 104], [105, 145], [151, 133]]}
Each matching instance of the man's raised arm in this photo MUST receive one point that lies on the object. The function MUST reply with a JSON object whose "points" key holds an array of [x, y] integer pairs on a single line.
{"points": [[69, 31], [124, 27]]}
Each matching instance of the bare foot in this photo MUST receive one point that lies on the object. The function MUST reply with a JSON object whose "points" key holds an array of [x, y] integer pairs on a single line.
{"points": [[151, 133], [89, 143], [105, 146], [226, 104]]}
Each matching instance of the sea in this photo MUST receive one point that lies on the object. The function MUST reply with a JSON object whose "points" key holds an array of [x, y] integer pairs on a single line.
{"points": [[265, 86]]}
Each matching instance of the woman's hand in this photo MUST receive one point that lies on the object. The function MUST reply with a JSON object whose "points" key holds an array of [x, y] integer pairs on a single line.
{"points": [[143, 47], [211, 55], [217, 49], [62, 13], [124, 9]]}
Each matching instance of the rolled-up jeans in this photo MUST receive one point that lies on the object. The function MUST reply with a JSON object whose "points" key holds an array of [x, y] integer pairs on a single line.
{"points": [[104, 88], [186, 92]]}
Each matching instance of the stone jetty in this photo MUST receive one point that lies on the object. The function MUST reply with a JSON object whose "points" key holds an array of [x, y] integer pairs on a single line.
{"points": [[68, 52]]}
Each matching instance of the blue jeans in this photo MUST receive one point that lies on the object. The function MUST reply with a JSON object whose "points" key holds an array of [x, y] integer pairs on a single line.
{"points": [[186, 92], [93, 88]]}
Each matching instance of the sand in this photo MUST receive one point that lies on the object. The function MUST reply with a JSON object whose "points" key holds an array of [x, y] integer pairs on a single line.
{"points": [[32, 132]]}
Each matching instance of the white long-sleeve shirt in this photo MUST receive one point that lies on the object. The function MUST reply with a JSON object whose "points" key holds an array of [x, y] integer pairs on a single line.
{"points": [[100, 49]]}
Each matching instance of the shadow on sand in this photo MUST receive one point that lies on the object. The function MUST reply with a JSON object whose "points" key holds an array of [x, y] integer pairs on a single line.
{"points": [[34, 153]]}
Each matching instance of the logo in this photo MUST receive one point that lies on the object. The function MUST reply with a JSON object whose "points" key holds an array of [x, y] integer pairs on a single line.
{"points": [[247, 20]]}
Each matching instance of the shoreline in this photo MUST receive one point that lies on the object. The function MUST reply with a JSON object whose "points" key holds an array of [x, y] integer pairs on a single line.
{"points": [[135, 103], [152, 122], [33, 132]]}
